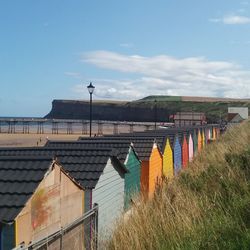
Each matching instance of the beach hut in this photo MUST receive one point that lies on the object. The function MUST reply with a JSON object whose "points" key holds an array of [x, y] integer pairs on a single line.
{"points": [[208, 134], [203, 137], [154, 171], [195, 141], [217, 132], [190, 147], [211, 132], [149, 153], [168, 161], [200, 140], [98, 171], [37, 198], [214, 133], [128, 157], [185, 156], [177, 148]]}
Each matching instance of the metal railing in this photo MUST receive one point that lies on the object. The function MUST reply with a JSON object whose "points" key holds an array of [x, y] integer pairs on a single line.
{"points": [[80, 234]]}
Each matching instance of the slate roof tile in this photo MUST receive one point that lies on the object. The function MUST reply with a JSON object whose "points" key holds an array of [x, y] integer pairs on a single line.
{"points": [[17, 183], [73, 160], [22, 169]]}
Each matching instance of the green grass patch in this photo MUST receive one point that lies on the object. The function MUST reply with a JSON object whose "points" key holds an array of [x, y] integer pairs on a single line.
{"points": [[206, 207]]}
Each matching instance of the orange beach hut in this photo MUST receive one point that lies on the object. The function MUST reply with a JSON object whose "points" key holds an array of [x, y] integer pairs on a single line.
{"points": [[185, 156]]}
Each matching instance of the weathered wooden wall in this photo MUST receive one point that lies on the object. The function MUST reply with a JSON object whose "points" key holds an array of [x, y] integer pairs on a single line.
{"points": [[109, 195], [56, 202]]}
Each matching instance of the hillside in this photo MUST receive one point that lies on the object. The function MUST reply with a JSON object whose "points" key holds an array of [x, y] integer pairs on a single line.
{"points": [[144, 109], [193, 99], [206, 207]]}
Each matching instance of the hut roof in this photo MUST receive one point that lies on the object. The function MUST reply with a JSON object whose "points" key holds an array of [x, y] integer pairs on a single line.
{"points": [[85, 166], [19, 178], [142, 144]]}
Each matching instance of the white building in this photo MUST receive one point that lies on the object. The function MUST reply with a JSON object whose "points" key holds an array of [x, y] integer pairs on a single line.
{"points": [[237, 114]]}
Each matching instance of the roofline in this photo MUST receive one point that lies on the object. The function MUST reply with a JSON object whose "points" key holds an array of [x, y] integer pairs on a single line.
{"points": [[131, 147], [44, 176], [68, 174], [120, 164]]}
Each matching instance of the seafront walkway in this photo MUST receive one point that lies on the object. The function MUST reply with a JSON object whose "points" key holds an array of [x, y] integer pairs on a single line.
{"points": [[68, 126]]}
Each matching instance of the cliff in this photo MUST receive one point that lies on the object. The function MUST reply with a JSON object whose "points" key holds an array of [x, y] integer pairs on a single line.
{"points": [[144, 109], [111, 111]]}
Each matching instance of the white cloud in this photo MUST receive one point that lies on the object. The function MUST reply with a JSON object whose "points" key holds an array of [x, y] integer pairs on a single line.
{"points": [[113, 89], [231, 20], [165, 75], [234, 19]]}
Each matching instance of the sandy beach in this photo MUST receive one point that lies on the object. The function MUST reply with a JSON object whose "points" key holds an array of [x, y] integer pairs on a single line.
{"points": [[31, 140]]}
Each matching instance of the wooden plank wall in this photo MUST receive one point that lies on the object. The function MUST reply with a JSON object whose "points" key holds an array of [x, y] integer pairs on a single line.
{"points": [[145, 178], [190, 147], [177, 155], [168, 167], [155, 170], [109, 195], [185, 157], [132, 179], [56, 202]]}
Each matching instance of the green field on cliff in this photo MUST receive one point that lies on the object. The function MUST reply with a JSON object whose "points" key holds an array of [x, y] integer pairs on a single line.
{"points": [[206, 207], [214, 108]]}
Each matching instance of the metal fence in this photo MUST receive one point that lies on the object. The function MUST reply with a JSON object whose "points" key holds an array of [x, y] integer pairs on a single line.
{"points": [[79, 235]]}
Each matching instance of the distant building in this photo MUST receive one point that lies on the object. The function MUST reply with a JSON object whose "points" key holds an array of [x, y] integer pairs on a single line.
{"points": [[237, 114], [242, 111], [181, 119]]}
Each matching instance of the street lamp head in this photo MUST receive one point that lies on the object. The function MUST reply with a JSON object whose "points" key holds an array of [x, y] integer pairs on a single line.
{"points": [[91, 88]]}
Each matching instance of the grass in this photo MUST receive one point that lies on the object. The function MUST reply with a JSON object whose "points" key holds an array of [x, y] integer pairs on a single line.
{"points": [[206, 207]]}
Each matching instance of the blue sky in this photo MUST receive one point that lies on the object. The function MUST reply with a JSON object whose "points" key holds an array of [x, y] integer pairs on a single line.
{"points": [[128, 49]]}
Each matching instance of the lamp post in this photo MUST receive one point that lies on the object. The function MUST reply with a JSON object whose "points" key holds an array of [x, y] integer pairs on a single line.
{"points": [[91, 89], [155, 108]]}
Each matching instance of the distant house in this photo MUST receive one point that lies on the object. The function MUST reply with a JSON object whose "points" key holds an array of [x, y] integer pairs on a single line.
{"points": [[37, 198], [242, 111], [237, 115], [189, 119], [233, 118]]}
